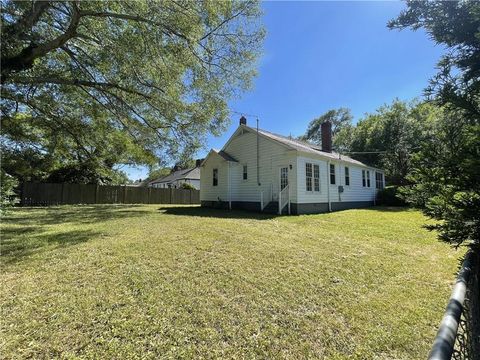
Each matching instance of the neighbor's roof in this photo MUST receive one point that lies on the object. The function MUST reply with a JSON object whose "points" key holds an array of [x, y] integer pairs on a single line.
{"points": [[305, 146], [192, 174]]}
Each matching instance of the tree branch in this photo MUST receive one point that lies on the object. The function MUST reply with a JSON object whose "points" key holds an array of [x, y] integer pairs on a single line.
{"points": [[24, 60], [28, 19], [75, 82], [136, 18]]}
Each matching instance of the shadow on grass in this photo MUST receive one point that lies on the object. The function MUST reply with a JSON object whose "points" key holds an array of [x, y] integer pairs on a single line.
{"points": [[16, 248], [79, 214], [244, 214], [215, 213], [31, 230]]}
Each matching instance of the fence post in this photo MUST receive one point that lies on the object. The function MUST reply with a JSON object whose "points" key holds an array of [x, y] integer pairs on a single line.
{"points": [[149, 200], [96, 194], [124, 194], [171, 196]]}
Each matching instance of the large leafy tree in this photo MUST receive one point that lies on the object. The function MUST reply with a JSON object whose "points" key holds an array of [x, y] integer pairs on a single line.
{"points": [[455, 25], [100, 83], [447, 172], [340, 118], [389, 137]]}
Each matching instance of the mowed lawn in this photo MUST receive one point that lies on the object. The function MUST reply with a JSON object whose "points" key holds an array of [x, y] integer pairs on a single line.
{"points": [[155, 281]]}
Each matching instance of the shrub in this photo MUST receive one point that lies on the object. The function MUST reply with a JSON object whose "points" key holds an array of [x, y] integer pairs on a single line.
{"points": [[390, 196], [187, 186]]}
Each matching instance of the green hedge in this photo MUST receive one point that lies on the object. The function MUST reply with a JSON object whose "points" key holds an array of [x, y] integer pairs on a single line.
{"points": [[390, 196]]}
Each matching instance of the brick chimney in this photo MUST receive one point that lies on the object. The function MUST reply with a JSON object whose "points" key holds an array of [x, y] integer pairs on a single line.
{"points": [[326, 130], [243, 120]]}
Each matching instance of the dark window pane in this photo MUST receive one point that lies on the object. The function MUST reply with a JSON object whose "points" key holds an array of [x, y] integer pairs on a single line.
{"points": [[215, 177], [332, 174]]}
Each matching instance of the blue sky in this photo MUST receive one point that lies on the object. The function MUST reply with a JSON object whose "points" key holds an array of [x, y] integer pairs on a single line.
{"points": [[324, 55]]}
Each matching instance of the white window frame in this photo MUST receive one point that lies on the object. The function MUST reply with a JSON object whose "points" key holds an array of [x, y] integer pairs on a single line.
{"points": [[316, 179], [347, 170], [309, 177], [379, 179], [368, 179], [245, 172], [330, 174]]}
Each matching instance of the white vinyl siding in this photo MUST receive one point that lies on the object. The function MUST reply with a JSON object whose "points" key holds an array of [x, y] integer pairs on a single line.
{"points": [[354, 192], [272, 156], [209, 192]]}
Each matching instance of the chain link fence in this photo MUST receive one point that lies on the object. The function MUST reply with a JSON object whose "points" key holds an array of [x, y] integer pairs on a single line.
{"points": [[459, 334]]}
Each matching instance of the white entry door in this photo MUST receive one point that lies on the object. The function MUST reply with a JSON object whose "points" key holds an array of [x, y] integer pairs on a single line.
{"points": [[282, 181]]}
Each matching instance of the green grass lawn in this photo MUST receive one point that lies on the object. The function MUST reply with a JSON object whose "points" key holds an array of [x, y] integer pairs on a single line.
{"points": [[184, 282]]}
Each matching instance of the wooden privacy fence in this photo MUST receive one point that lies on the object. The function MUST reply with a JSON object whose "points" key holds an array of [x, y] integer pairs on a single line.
{"points": [[35, 194]]}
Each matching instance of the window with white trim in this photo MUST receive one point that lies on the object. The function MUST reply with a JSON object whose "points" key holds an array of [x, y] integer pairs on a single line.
{"points": [[332, 174], [368, 178], [215, 177], [316, 177], [364, 179], [378, 180], [245, 173], [308, 176], [347, 176]]}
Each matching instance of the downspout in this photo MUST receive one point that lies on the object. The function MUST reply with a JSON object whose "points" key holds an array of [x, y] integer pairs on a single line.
{"points": [[229, 187], [328, 186]]}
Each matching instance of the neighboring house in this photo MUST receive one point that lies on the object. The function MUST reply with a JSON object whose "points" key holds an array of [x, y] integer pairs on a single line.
{"points": [[261, 171], [177, 178]]}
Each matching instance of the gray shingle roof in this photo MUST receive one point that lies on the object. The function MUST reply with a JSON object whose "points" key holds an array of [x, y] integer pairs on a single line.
{"points": [[192, 173], [226, 156], [306, 147]]}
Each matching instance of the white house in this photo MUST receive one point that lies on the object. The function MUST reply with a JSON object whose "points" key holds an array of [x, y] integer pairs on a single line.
{"points": [[177, 178], [261, 171]]}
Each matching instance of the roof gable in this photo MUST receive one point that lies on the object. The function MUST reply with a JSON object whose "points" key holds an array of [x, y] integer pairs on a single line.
{"points": [[243, 129], [222, 154]]}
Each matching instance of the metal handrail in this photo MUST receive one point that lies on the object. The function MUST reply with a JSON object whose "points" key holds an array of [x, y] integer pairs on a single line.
{"points": [[444, 344]]}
